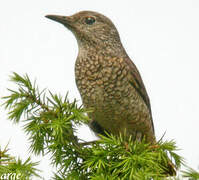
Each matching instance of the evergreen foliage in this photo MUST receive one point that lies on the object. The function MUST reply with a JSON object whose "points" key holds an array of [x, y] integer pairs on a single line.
{"points": [[51, 122], [12, 168], [191, 174]]}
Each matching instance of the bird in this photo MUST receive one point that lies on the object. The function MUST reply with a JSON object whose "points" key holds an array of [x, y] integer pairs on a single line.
{"points": [[107, 79]]}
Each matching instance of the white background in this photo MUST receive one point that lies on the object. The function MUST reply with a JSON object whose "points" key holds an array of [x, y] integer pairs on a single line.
{"points": [[162, 38]]}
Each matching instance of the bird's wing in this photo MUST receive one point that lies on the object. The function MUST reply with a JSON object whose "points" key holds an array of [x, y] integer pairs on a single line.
{"points": [[136, 81]]}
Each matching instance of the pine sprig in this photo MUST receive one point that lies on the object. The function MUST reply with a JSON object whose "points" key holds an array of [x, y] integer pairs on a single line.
{"points": [[26, 99], [125, 159], [191, 174], [50, 122], [48, 119], [10, 166]]}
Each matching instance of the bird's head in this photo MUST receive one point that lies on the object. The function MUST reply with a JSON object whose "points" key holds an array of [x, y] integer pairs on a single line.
{"points": [[90, 27]]}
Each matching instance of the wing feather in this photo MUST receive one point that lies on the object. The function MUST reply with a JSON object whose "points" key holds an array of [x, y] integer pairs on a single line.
{"points": [[136, 81]]}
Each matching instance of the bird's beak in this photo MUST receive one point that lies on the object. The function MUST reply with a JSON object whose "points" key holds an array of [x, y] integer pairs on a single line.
{"points": [[65, 20]]}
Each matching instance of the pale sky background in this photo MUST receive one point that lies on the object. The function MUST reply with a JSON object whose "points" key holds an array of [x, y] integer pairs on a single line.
{"points": [[162, 38]]}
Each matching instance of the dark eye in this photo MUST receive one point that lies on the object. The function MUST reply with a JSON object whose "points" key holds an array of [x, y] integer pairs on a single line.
{"points": [[89, 20]]}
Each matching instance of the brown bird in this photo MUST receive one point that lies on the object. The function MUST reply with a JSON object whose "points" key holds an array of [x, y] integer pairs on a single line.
{"points": [[107, 79]]}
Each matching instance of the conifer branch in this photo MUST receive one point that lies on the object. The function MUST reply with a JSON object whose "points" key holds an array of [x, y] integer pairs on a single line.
{"points": [[50, 122], [12, 168], [191, 174]]}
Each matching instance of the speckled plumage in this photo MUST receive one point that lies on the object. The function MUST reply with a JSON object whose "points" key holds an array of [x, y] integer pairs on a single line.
{"points": [[107, 79]]}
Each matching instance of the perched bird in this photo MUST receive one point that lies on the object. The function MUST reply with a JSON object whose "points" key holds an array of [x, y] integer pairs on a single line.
{"points": [[107, 79]]}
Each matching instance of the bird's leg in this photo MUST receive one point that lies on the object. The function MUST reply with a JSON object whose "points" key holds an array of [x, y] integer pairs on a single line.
{"points": [[88, 143]]}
